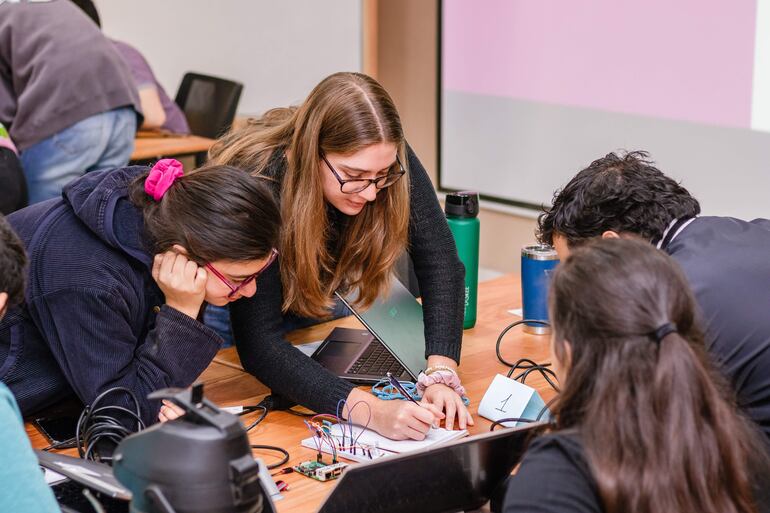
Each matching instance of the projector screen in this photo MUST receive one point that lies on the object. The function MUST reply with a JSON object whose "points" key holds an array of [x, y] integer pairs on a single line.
{"points": [[533, 91]]}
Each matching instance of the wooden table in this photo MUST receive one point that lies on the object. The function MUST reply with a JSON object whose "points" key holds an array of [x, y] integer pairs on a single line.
{"points": [[149, 147], [227, 384]]}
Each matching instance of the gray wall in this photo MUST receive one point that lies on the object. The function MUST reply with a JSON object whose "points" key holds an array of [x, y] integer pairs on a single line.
{"points": [[278, 49], [524, 151]]}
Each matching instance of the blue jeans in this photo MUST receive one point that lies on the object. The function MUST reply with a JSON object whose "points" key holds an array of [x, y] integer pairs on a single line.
{"points": [[218, 319], [101, 141]]}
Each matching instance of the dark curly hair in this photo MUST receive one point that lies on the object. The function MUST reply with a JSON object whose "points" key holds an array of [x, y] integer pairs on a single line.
{"points": [[622, 193], [13, 261]]}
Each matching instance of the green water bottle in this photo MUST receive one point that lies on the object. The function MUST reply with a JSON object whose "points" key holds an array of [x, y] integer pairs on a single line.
{"points": [[462, 210]]}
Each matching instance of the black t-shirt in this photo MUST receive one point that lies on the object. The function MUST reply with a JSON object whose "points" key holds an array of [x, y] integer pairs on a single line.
{"points": [[727, 263], [554, 477]]}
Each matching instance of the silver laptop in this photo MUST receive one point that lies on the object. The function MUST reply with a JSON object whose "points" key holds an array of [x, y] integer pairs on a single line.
{"points": [[82, 474], [393, 341]]}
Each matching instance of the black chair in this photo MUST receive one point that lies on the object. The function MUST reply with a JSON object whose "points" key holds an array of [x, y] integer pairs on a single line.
{"points": [[13, 185], [208, 103]]}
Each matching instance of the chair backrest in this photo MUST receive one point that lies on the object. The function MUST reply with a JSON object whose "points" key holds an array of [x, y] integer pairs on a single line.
{"points": [[208, 103]]}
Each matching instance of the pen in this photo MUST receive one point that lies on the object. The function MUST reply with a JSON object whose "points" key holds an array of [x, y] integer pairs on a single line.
{"points": [[397, 385]]}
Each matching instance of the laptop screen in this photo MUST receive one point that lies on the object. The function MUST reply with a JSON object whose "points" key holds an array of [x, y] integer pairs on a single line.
{"points": [[396, 321], [458, 476]]}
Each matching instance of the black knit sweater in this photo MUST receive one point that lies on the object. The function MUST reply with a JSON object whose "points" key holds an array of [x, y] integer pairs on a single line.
{"points": [[274, 361]]}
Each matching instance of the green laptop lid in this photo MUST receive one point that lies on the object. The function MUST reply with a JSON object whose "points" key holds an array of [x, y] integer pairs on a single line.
{"points": [[396, 320]]}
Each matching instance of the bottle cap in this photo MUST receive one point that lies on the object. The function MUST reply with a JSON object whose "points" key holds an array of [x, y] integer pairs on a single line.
{"points": [[539, 252], [462, 204]]}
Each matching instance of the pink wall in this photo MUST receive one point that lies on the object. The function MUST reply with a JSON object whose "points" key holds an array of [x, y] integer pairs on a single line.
{"points": [[689, 60]]}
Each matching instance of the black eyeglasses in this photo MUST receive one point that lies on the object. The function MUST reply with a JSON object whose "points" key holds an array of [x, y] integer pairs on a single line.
{"points": [[360, 184]]}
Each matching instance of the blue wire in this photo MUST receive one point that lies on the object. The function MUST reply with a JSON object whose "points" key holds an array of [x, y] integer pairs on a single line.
{"points": [[387, 392]]}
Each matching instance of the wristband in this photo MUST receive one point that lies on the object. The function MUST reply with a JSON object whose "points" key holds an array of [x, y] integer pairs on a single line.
{"points": [[433, 368]]}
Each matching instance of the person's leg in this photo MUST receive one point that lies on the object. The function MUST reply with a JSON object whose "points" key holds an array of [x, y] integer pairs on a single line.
{"points": [[117, 139], [52, 163], [293, 322], [218, 319]]}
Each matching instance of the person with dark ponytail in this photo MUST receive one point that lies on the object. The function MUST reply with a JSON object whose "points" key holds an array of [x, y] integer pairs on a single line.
{"points": [[120, 269], [644, 423]]}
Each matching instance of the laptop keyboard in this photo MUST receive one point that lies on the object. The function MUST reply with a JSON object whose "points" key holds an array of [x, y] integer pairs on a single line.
{"points": [[70, 494], [377, 361]]}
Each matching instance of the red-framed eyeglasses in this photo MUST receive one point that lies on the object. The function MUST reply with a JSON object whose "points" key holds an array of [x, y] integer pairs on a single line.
{"points": [[234, 288]]}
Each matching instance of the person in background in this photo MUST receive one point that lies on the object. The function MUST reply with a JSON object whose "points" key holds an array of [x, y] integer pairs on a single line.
{"points": [[159, 111], [120, 269], [13, 186], [354, 197], [726, 260], [644, 423], [24, 490], [66, 95]]}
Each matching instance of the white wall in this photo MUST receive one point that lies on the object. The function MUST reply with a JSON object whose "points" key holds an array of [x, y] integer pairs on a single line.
{"points": [[278, 49]]}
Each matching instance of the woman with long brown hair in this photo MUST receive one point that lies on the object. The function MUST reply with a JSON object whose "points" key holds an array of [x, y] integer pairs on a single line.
{"points": [[353, 198], [643, 422]]}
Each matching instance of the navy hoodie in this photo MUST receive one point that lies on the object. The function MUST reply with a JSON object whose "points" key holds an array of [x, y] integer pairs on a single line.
{"points": [[93, 317]]}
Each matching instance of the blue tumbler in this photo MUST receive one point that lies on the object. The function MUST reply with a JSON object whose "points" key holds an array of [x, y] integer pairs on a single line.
{"points": [[537, 264]]}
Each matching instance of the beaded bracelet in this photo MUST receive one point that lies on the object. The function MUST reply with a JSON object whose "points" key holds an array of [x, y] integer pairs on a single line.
{"points": [[433, 368]]}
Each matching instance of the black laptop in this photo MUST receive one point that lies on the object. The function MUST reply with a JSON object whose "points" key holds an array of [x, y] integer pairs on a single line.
{"points": [[459, 476], [393, 341]]}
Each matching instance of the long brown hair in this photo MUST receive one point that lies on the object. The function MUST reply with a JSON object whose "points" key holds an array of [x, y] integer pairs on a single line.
{"points": [[215, 213], [344, 113], [661, 430]]}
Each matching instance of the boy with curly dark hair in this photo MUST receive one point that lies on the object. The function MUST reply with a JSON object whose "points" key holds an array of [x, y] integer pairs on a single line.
{"points": [[726, 260]]}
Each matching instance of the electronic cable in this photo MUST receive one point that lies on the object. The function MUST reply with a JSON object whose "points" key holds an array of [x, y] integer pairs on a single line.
{"points": [[384, 390], [98, 424], [506, 330], [543, 410], [527, 366], [251, 409], [501, 422], [273, 448], [95, 504], [266, 405]]}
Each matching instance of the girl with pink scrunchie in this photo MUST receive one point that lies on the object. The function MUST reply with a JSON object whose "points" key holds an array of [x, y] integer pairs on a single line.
{"points": [[121, 268]]}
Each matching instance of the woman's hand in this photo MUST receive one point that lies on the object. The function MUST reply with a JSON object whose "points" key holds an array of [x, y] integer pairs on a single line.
{"points": [[445, 399], [169, 411], [397, 420], [180, 279]]}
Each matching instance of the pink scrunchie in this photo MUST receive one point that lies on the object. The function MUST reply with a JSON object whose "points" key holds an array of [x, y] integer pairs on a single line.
{"points": [[162, 176], [448, 378]]}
